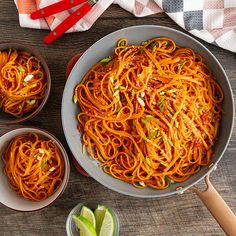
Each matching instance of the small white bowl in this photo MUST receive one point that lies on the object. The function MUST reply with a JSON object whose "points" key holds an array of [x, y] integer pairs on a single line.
{"points": [[7, 195]]}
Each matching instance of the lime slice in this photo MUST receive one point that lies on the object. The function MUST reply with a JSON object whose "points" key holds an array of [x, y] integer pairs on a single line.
{"points": [[108, 225], [99, 216], [84, 225], [88, 214]]}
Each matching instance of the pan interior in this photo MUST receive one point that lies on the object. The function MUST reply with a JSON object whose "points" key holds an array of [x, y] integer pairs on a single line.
{"points": [[105, 47]]}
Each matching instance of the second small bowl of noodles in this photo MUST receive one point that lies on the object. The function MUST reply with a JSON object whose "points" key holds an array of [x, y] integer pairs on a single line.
{"points": [[25, 82], [34, 169]]}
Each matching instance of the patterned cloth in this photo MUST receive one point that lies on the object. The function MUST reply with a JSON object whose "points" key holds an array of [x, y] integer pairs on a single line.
{"points": [[211, 20]]}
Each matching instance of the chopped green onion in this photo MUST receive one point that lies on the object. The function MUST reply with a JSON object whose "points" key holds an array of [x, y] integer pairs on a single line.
{"points": [[201, 109], [162, 108], [111, 79], [144, 121], [168, 180], [154, 133], [153, 50], [39, 158], [149, 117], [181, 64], [170, 142], [118, 110], [44, 164], [25, 83], [164, 164], [162, 93], [148, 161], [116, 93], [31, 102], [52, 169], [152, 44], [176, 124], [142, 50], [122, 43], [106, 59], [160, 101], [75, 99], [117, 86], [171, 91], [21, 69]]}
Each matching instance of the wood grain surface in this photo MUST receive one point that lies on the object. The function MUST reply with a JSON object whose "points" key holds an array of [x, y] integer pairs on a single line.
{"points": [[180, 215]]}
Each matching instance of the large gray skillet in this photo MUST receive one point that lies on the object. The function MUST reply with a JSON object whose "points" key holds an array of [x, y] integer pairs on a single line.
{"points": [[105, 47]]}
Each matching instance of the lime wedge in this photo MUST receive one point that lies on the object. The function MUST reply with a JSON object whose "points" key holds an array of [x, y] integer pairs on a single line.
{"points": [[88, 214], [99, 216], [105, 225], [108, 225], [84, 225]]}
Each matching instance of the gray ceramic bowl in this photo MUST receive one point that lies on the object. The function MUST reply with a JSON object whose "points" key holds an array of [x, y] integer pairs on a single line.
{"points": [[103, 48], [7, 196], [18, 45]]}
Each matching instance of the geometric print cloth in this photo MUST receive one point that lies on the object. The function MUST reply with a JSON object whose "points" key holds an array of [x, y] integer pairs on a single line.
{"points": [[211, 20]]}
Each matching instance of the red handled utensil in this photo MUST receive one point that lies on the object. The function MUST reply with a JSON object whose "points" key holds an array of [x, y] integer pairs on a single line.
{"points": [[69, 21]]}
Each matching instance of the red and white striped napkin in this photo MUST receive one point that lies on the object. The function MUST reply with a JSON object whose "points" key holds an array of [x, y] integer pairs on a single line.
{"points": [[211, 20]]}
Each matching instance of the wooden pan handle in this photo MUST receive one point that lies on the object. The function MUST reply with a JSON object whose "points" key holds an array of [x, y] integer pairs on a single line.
{"points": [[218, 207]]}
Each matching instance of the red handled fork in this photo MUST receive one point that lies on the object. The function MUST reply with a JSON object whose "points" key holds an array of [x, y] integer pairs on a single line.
{"points": [[69, 21]]}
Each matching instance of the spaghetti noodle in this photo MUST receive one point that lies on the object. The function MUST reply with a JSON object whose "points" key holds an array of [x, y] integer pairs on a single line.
{"points": [[150, 113], [22, 82], [34, 166]]}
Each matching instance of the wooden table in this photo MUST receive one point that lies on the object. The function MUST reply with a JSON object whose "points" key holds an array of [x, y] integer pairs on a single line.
{"points": [[180, 215]]}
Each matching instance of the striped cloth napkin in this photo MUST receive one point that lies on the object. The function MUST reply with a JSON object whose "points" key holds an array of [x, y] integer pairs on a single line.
{"points": [[211, 20]]}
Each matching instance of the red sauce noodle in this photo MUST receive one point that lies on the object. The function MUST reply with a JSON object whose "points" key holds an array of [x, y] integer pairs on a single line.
{"points": [[150, 113], [22, 82], [34, 166]]}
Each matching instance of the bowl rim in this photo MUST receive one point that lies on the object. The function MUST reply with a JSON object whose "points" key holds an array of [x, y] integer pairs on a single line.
{"points": [[158, 194], [32, 50], [65, 157]]}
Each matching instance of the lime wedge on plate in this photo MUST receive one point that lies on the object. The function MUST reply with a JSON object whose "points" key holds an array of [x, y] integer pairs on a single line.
{"points": [[84, 225], [105, 222], [99, 215], [108, 225], [88, 214]]}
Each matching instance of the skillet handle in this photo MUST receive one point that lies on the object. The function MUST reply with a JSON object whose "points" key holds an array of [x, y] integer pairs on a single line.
{"points": [[218, 207]]}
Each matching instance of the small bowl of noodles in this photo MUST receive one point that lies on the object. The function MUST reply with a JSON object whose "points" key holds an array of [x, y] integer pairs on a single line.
{"points": [[25, 82], [34, 169]]}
